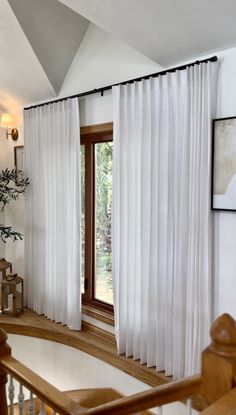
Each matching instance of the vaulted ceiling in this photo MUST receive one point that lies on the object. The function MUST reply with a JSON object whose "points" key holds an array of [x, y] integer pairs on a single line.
{"points": [[54, 32], [167, 31], [39, 38]]}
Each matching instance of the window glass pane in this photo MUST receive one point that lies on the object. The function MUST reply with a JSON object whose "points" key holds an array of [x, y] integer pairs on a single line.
{"points": [[82, 224], [103, 197]]}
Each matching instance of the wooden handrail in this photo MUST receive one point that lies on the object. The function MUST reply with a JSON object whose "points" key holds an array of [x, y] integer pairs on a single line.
{"points": [[161, 395], [54, 398], [4, 351], [170, 392]]}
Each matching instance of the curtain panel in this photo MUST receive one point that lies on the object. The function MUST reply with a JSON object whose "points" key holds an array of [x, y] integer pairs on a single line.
{"points": [[52, 229], [161, 219]]}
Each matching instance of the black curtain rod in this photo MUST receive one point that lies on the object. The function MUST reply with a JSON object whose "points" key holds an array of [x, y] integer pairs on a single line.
{"points": [[106, 88]]}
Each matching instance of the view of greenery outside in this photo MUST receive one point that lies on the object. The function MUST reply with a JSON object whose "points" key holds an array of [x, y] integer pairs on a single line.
{"points": [[82, 178], [103, 199]]}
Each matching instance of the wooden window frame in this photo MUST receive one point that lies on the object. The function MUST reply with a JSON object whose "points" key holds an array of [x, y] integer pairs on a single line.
{"points": [[90, 136]]}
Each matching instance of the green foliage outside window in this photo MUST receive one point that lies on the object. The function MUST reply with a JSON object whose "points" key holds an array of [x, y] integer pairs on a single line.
{"points": [[103, 217]]}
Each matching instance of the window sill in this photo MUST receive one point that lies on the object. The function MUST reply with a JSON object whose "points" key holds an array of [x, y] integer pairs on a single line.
{"points": [[100, 315]]}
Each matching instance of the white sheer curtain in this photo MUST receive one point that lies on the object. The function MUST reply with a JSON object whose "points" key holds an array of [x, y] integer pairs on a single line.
{"points": [[52, 231], [161, 219]]}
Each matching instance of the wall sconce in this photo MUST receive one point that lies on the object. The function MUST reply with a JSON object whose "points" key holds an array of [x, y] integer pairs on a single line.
{"points": [[6, 121]]}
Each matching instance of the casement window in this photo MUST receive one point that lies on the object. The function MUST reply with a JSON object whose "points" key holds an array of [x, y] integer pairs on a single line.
{"points": [[96, 193]]}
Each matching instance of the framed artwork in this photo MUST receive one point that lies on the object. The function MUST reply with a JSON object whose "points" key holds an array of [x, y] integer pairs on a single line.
{"points": [[19, 157], [224, 164]]}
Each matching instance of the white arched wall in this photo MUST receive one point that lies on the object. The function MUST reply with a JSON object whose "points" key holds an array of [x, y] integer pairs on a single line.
{"points": [[67, 368]]}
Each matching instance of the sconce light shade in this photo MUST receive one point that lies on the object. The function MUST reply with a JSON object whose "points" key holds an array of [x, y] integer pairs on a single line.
{"points": [[6, 121]]}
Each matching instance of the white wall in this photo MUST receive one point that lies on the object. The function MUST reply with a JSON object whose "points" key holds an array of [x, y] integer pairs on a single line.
{"points": [[103, 60], [14, 211], [225, 222]]}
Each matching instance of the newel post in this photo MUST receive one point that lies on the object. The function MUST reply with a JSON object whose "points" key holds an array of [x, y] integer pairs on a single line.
{"points": [[5, 350], [219, 360]]}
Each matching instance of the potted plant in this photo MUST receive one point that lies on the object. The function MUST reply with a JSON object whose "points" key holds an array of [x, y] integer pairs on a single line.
{"points": [[12, 184]]}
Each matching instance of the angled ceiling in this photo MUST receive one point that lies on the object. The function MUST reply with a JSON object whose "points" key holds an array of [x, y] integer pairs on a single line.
{"points": [[167, 31], [20, 70], [42, 42], [54, 32]]}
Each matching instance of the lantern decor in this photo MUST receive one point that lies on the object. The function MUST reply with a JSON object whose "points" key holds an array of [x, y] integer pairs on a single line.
{"points": [[4, 265], [12, 295]]}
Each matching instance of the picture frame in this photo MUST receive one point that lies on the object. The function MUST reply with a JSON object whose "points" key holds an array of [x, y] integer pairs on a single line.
{"points": [[19, 157], [223, 194]]}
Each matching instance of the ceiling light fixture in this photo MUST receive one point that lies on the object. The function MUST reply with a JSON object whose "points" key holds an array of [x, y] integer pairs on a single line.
{"points": [[6, 121]]}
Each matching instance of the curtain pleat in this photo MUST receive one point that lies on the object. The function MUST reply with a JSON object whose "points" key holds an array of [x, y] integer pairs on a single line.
{"points": [[161, 221], [52, 231]]}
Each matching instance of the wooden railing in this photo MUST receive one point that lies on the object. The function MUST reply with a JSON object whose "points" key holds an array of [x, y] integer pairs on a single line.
{"points": [[215, 384], [156, 397]]}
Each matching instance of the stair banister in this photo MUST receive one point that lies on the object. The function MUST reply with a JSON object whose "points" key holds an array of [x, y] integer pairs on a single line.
{"points": [[54, 398], [5, 350]]}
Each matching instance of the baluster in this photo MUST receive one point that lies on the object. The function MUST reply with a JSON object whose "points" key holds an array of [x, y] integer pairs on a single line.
{"points": [[4, 351], [21, 400], [160, 410], [31, 407], [189, 406], [11, 394], [42, 409]]}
